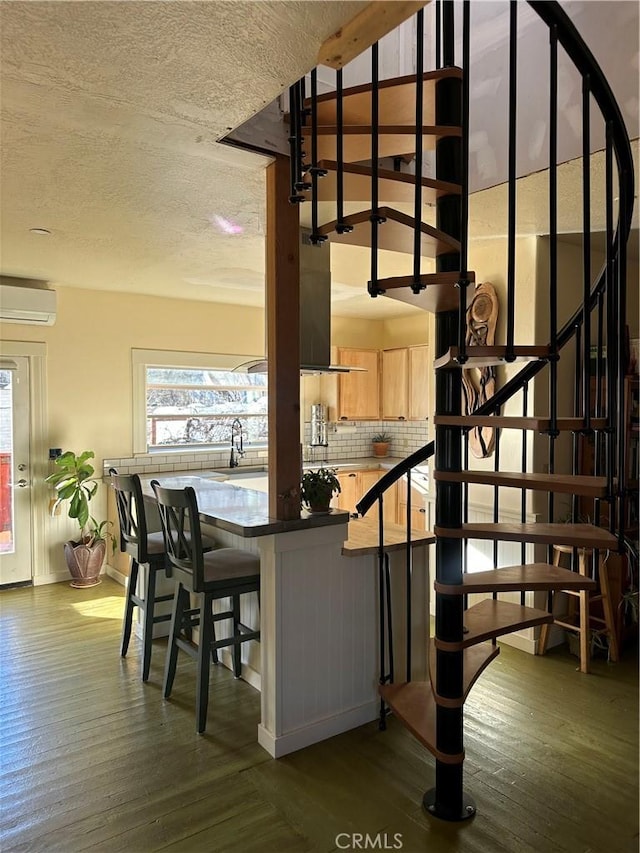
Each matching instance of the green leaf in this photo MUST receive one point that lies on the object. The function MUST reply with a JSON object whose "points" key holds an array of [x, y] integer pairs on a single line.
{"points": [[66, 491], [76, 503], [83, 514]]}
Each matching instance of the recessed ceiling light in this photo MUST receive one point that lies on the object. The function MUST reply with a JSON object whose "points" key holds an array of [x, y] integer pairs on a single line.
{"points": [[44, 231]]}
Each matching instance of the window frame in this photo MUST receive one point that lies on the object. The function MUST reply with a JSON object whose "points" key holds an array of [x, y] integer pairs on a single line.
{"points": [[141, 359]]}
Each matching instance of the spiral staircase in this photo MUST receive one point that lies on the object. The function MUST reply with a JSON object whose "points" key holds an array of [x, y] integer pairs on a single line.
{"points": [[342, 144]]}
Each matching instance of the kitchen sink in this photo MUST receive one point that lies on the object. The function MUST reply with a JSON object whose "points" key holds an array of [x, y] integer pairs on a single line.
{"points": [[242, 471]]}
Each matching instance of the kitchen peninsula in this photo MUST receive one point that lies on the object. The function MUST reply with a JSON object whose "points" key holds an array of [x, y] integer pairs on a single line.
{"points": [[317, 663]]}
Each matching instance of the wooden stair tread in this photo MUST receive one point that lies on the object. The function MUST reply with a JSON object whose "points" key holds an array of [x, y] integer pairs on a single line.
{"points": [[474, 661], [394, 140], [393, 187], [534, 577], [579, 484], [489, 619], [580, 535], [539, 424], [439, 295], [396, 101], [481, 356], [413, 703], [395, 235]]}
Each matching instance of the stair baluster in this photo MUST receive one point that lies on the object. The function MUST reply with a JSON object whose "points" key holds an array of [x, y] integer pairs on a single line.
{"points": [[341, 226], [523, 491], [408, 578], [417, 207], [586, 253], [511, 203], [553, 246], [315, 238]]}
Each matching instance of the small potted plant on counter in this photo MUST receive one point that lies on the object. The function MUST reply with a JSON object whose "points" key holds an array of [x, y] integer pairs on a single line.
{"points": [[73, 481], [380, 443], [317, 488]]}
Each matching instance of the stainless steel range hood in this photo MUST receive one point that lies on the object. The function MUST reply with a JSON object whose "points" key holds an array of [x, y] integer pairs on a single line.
{"points": [[315, 314]]}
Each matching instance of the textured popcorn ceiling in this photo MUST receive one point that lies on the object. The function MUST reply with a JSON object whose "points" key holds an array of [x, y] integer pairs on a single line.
{"points": [[110, 116]]}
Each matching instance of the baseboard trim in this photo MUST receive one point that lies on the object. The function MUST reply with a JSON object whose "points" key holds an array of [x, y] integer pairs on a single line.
{"points": [[277, 746], [52, 577], [247, 673], [117, 576], [517, 641]]}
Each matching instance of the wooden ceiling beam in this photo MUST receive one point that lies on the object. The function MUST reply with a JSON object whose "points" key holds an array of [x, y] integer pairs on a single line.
{"points": [[369, 26]]}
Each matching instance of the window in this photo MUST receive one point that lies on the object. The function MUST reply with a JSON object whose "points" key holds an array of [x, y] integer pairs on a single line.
{"points": [[190, 400]]}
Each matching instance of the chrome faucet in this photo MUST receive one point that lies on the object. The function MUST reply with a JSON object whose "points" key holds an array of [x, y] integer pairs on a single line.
{"points": [[237, 448]]}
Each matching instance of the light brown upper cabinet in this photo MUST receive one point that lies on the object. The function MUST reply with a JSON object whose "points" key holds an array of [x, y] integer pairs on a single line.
{"points": [[359, 392], [405, 383], [420, 369], [395, 385]]}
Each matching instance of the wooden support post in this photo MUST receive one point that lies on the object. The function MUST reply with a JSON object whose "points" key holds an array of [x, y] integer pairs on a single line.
{"points": [[283, 343]]}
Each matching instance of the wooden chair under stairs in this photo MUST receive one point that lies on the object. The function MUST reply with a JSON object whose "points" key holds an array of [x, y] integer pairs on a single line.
{"points": [[585, 618]]}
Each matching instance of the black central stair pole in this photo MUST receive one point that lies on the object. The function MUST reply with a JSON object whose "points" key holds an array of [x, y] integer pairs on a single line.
{"points": [[447, 799]]}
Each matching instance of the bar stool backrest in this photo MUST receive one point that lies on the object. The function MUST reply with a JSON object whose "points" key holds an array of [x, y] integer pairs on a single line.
{"points": [[131, 515], [180, 521]]}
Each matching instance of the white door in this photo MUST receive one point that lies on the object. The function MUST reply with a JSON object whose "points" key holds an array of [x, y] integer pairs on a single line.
{"points": [[15, 477]]}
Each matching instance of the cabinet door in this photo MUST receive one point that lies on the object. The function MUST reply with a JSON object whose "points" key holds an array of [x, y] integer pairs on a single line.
{"points": [[395, 384], [418, 502], [349, 490], [367, 479], [419, 372], [359, 392], [389, 502]]}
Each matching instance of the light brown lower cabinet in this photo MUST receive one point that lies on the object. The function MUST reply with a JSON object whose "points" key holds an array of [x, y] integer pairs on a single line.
{"points": [[418, 503], [355, 484]]}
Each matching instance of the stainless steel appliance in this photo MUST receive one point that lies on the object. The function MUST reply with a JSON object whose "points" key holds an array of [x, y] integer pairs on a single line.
{"points": [[318, 426]]}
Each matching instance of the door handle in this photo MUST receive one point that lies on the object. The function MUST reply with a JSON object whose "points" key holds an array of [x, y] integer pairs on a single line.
{"points": [[22, 484]]}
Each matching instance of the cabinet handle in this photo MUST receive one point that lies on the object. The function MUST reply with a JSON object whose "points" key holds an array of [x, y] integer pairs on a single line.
{"points": [[344, 418], [422, 509], [401, 417], [352, 475]]}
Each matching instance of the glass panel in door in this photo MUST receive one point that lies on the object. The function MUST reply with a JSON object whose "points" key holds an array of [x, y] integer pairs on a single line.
{"points": [[15, 480]]}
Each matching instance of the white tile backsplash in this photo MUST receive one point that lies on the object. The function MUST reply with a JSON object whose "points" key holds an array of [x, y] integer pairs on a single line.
{"points": [[406, 438]]}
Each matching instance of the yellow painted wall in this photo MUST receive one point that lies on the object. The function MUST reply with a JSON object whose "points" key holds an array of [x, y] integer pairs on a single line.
{"points": [[89, 376], [352, 332], [408, 331], [89, 356], [488, 258]]}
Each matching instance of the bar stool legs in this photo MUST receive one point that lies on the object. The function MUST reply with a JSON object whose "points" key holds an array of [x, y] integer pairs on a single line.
{"points": [[584, 616], [147, 630], [128, 613]]}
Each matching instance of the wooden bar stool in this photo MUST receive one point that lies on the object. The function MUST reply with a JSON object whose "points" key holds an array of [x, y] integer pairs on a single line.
{"points": [[585, 599]]}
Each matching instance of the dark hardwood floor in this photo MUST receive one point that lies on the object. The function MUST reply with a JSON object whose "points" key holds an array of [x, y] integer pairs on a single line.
{"points": [[92, 759]]}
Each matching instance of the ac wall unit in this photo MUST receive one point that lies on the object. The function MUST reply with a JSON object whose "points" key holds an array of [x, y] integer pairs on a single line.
{"points": [[27, 305]]}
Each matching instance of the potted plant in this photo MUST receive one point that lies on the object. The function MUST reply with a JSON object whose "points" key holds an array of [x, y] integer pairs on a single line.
{"points": [[380, 443], [317, 488], [73, 481]]}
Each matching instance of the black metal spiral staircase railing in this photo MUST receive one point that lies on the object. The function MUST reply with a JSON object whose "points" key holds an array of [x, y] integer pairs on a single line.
{"points": [[350, 131]]}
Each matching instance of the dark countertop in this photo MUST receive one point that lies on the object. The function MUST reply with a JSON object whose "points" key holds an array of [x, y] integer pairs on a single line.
{"points": [[237, 509]]}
